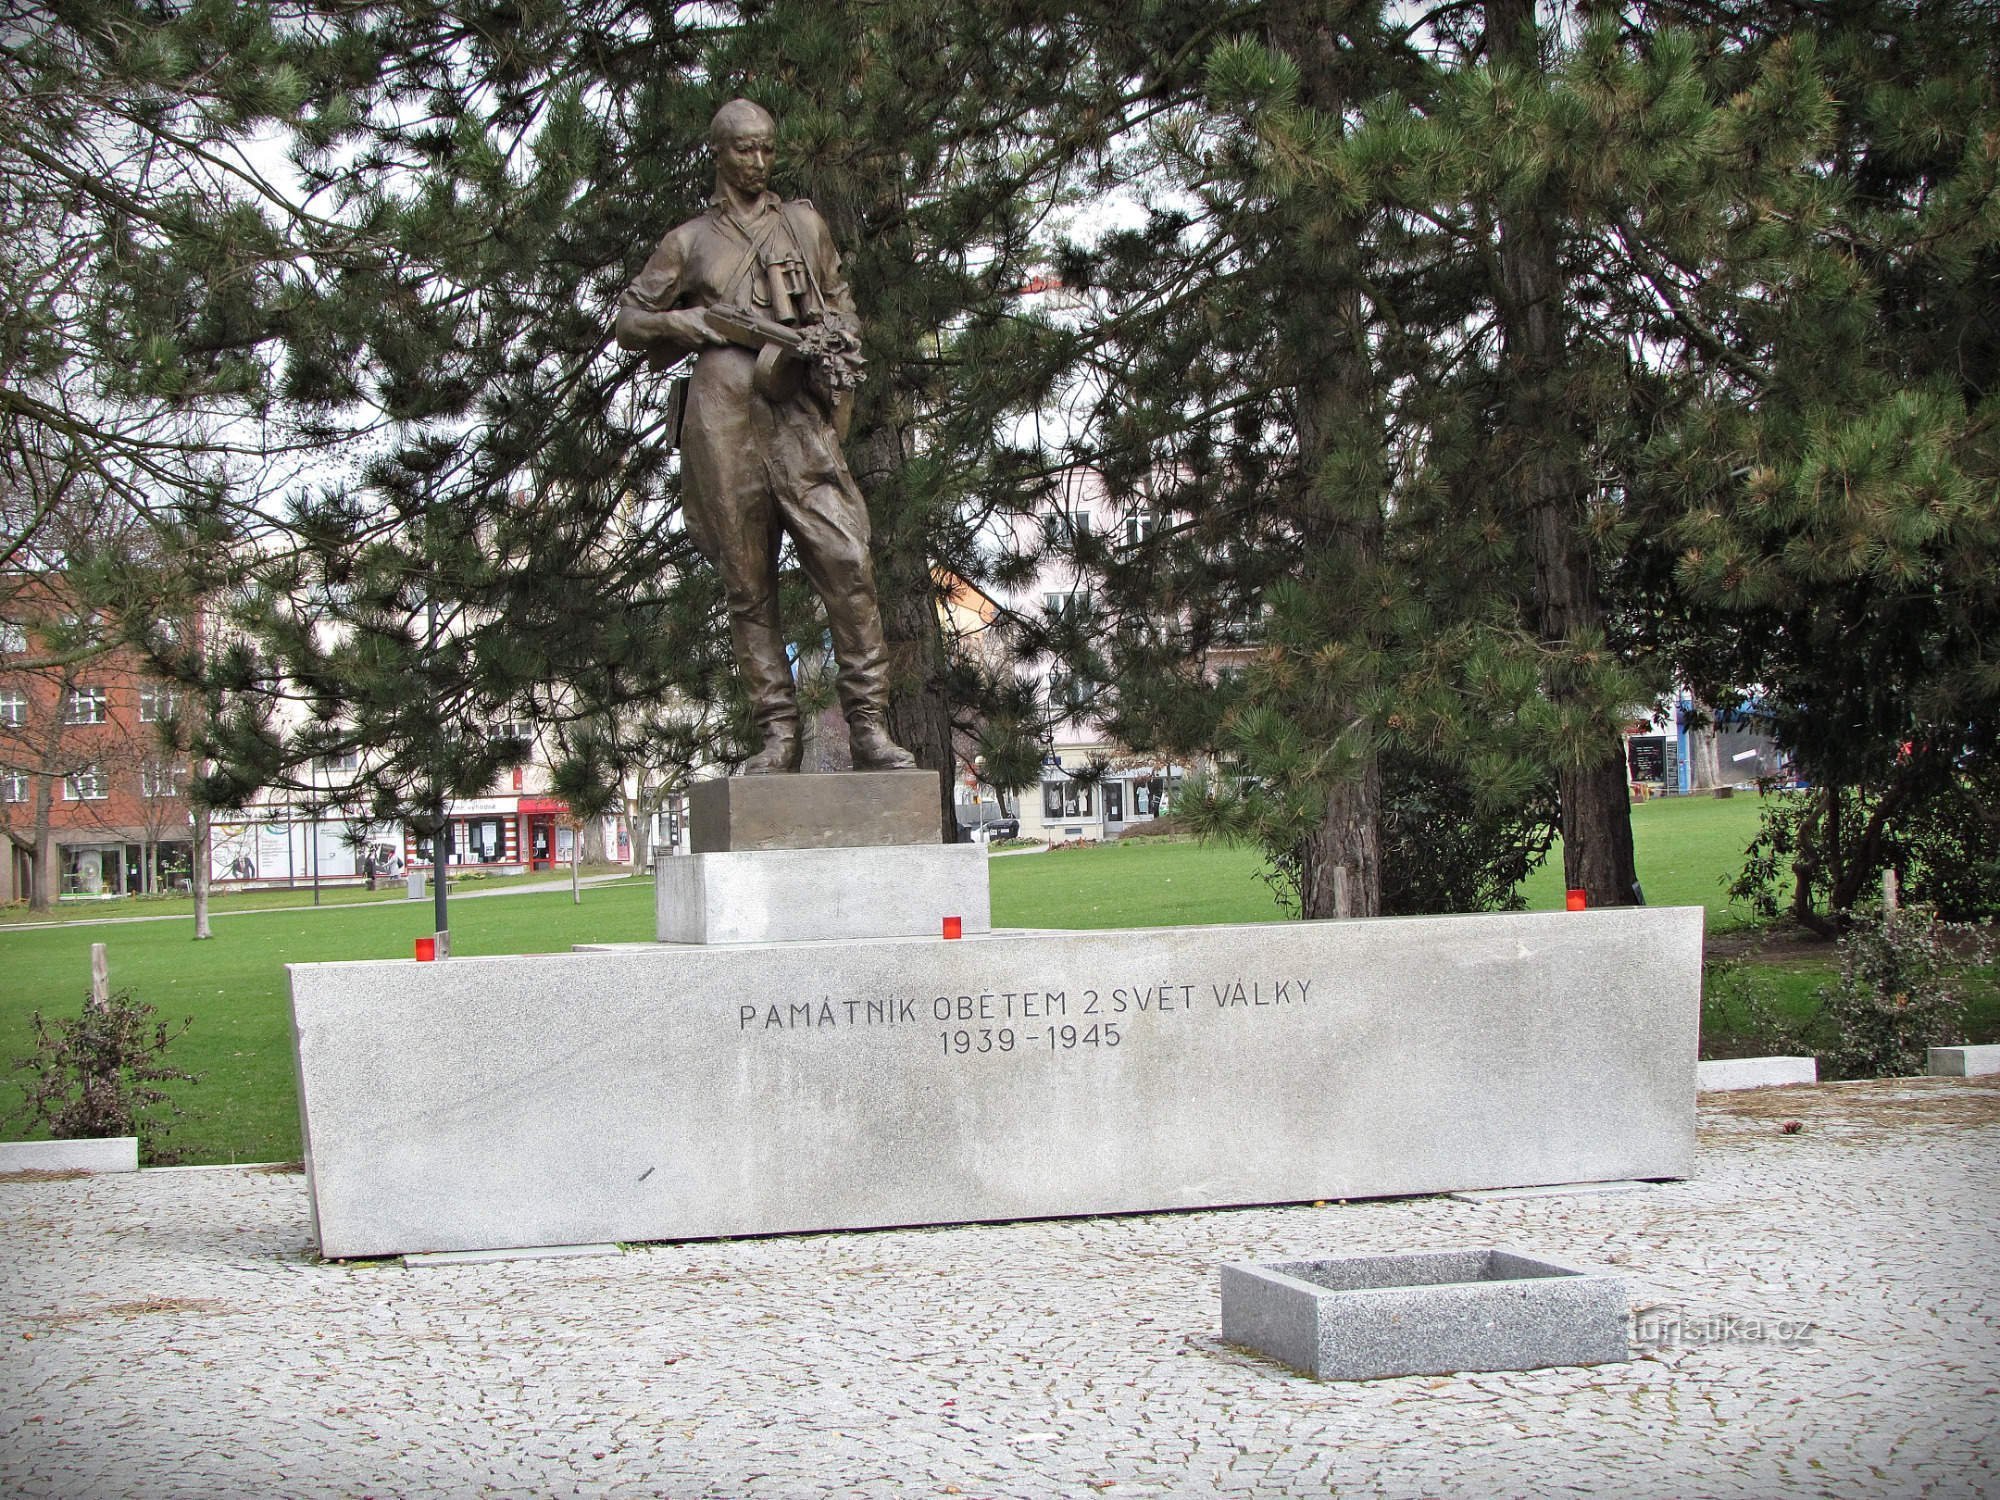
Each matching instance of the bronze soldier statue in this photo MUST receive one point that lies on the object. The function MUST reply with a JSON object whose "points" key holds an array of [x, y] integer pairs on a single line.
{"points": [[752, 288]]}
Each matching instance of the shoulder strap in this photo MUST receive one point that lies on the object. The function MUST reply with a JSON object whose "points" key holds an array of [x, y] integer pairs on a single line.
{"points": [[733, 283], [812, 276]]}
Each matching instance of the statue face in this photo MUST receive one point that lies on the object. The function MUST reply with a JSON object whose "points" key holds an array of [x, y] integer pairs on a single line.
{"points": [[743, 157]]}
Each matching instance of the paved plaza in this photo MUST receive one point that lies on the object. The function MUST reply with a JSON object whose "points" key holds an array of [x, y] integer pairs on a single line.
{"points": [[1818, 1314]]}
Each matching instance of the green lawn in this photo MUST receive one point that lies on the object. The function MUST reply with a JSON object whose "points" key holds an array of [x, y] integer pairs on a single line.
{"points": [[1686, 848], [234, 985], [1138, 883]]}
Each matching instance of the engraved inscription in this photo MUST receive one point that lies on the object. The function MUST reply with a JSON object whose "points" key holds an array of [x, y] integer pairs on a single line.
{"points": [[1024, 1021]]}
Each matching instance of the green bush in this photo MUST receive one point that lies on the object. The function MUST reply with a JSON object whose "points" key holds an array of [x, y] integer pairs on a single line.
{"points": [[1743, 1013], [97, 1075], [1901, 991], [1817, 852]]}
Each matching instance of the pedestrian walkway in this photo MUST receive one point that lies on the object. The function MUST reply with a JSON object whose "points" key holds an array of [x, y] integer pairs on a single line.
{"points": [[1819, 1315], [455, 893]]}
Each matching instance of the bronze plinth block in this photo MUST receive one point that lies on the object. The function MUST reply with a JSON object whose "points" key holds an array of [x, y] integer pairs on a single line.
{"points": [[826, 810]]}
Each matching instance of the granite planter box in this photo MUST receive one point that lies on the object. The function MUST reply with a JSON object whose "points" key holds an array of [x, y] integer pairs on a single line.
{"points": [[1431, 1312]]}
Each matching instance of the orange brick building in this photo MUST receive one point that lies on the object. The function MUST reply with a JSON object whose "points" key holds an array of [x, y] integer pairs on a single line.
{"points": [[92, 798]]}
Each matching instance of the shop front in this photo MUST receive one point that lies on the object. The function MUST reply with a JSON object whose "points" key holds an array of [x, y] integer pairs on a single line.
{"points": [[1084, 800], [122, 863], [547, 840], [482, 833]]}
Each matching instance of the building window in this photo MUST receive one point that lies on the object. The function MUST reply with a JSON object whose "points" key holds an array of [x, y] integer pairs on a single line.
{"points": [[341, 762], [13, 708], [1069, 693], [86, 706], [517, 736], [1068, 608], [88, 785], [158, 703], [13, 786], [1138, 530], [13, 639], [158, 778], [1064, 525], [486, 840], [1065, 799]]}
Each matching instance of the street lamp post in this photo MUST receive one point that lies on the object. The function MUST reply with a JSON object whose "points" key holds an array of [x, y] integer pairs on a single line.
{"points": [[979, 772], [440, 845]]}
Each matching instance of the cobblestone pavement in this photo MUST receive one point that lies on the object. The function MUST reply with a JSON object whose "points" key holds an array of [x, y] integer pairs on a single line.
{"points": [[171, 1334]]}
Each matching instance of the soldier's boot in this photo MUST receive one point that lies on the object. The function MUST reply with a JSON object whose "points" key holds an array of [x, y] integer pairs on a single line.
{"points": [[782, 750], [868, 740]]}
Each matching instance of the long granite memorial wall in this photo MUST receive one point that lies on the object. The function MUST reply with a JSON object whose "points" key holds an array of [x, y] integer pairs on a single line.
{"points": [[668, 1092]]}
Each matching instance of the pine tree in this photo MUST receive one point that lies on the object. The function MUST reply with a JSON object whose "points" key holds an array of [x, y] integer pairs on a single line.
{"points": [[505, 173], [1834, 505], [1535, 220], [1241, 404], [143, 264]]}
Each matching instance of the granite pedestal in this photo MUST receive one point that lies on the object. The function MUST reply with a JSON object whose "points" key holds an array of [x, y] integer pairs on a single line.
{"points": [[1964, 1062], [118, 1153], [786, 859], [683, 1092], [1755, 1072], [800, 895]]}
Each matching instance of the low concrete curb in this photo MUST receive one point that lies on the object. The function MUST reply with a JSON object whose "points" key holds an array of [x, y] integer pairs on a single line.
{"points": [[118, 1153], [1964, 1062], [1755, 1073]]}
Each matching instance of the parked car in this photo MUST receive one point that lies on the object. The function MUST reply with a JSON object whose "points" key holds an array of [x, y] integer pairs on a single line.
{"points": [[991, 829]]}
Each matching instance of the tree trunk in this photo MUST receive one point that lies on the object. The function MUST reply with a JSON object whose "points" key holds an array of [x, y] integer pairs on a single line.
{"points": [[1705, 753], [640, 821], [199, 874], [1597, 835], [1340, 860], [919, 709], [1552, 499], [1340, 871], [45, 879]]}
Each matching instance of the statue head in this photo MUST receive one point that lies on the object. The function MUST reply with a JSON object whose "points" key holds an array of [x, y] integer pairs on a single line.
{"points": [[744, 138]]}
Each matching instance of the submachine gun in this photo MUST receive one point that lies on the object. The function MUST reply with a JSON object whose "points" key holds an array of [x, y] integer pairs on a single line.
{"points": [[820, 358]]}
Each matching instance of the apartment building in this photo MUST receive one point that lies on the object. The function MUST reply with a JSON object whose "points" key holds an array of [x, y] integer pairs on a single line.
{"points": [[1091, 787], [93, 796]]}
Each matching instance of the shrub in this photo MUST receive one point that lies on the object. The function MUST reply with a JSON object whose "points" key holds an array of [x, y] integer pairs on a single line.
{"points": [[1818, 852], [1900, 992], [94, 1076], [1742, 1015]]}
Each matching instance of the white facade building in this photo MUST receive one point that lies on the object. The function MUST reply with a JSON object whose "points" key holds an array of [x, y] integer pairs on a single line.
{"points": [[1091, 788]]}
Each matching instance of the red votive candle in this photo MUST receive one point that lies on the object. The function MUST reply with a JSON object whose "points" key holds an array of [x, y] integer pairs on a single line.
{"points": [[1576, 901], [427, 950], [954, 927]]}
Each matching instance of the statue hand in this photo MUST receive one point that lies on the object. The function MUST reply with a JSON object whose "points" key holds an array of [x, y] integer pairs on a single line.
{"points": [[689, 328]]}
